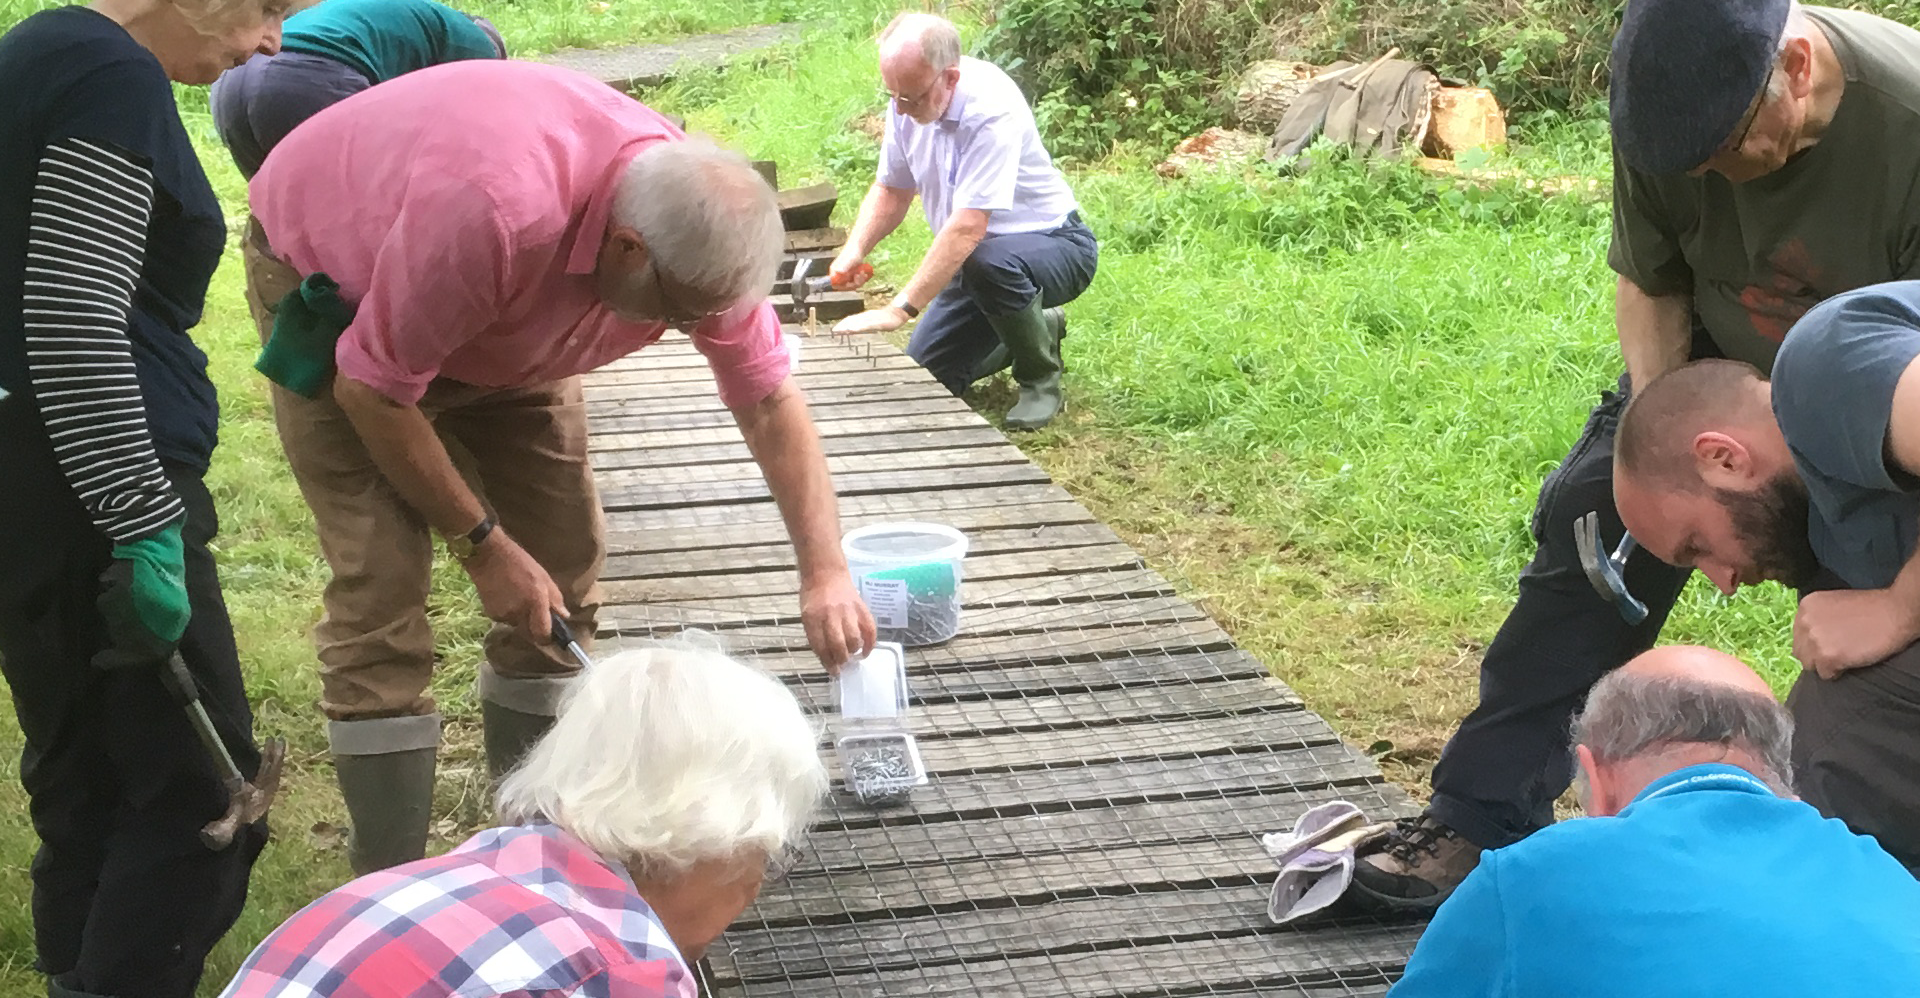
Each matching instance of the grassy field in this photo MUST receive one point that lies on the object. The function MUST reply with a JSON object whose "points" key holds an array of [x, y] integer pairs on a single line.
{"points": [[1325, 403]]}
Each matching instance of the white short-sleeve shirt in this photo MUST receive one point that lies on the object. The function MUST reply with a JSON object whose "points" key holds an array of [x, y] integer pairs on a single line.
{"points": [[984, 153]]}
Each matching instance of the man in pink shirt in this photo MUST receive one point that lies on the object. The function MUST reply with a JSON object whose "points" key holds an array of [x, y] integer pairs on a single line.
{"points": [[497, 229]]}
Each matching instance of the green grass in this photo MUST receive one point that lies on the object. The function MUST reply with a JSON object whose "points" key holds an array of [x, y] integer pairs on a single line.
{"points": [[1325, 401]]}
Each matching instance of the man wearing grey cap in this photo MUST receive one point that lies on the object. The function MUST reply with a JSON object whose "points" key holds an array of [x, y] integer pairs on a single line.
{"points": [[1766, 158]]}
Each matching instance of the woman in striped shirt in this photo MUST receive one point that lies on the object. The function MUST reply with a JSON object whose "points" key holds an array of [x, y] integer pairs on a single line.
{"points": [[109, 233]]}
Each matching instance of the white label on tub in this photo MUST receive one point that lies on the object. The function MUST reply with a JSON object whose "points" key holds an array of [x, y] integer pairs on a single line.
{"points": [[887, 599]]}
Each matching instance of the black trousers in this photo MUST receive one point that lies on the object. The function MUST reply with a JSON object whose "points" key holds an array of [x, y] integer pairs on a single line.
{"points": [[1499, 775], [126, 900]]}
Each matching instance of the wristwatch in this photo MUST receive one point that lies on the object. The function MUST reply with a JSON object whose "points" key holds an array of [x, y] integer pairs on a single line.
{"points": [[906, 306], [463, 546]]}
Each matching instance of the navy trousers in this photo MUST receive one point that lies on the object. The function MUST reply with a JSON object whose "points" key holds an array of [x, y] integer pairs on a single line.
{"points": [[256, 104], [1003, 275]]}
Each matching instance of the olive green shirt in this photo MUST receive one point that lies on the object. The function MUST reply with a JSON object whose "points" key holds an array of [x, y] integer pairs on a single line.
{"points": [[1839, 215]]}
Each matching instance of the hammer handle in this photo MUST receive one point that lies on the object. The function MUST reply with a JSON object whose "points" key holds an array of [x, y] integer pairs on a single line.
{"points": [[180, 683]]}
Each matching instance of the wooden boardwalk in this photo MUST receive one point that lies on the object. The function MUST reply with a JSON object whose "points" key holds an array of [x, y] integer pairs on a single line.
{"points": [[1103, 758]]}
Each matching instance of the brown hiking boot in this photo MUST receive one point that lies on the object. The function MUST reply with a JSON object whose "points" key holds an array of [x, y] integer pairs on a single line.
{"points": [[1413, 868]]}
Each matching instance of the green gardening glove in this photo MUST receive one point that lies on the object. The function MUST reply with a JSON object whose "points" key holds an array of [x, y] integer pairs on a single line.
{"points": [[307, 324], [143, 597]]}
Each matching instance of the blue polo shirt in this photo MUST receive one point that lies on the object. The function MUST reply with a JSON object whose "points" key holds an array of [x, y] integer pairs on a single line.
{"points": [[383, 39], [1708, 884]]}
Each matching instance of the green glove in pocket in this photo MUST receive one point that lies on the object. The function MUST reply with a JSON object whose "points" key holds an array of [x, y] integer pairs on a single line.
{"points": [[143, 597], [306, 325]]}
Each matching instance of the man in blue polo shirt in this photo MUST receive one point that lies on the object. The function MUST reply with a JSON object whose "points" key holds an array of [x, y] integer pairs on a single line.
{"points": [[1697, 874], [1009, 247], [330, 52]]}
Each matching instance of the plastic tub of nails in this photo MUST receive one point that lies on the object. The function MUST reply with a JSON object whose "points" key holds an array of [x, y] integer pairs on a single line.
{"points": [[909, 576], [879, 758]]}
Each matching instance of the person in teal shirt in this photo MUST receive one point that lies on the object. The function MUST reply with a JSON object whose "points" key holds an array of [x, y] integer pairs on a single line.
{"points": [[1697, 874], [331, 51]]}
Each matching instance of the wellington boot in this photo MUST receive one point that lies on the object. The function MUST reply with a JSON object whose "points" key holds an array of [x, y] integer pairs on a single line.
{"points": [[1034, 343], [508, 735], [389, 802]]}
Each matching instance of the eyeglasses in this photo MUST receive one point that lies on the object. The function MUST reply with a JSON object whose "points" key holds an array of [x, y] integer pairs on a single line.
{"points": [[671, 312], [1752, 115], [909, 103]]}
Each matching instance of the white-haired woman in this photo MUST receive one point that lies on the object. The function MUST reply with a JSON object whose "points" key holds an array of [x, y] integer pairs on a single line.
{"points": [[109, 234], [637, 829]]}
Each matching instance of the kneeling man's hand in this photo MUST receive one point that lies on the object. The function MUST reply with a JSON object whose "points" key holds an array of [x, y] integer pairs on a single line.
{"points": [[873, 320], [1843, 629]]}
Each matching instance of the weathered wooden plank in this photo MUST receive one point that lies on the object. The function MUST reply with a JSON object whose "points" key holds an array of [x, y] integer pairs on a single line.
{"points": [[630, 399], [825, 237], [1361, 958], [1033, 622], [1131, 705], [730, 452], [905, 507], [623, 491], [970, 651], [1077, 676], [807, 207], [822, 354], [1105, 557], [763, 544], [1028, 750], [812, 382], [960, 460], [827, 306], [830, 852], [778, 607], [1316, 759], [599, 442], [865, 410]]}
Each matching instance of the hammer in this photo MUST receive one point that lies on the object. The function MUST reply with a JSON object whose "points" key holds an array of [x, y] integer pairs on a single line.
{"points": [[1607, 573], [246, 802], [803, 288]]}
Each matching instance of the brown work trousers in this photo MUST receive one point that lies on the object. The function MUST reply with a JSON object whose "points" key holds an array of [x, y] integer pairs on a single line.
{"points": [[523, 451]]}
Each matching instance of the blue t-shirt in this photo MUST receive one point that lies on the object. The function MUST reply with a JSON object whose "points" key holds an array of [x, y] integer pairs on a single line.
{"points": [[383, 39], [1833, 385], [72, 73], [1708, 884]]}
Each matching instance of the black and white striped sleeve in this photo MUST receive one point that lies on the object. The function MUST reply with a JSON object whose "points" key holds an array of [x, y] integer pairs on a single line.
{"points": [[87, 235]]}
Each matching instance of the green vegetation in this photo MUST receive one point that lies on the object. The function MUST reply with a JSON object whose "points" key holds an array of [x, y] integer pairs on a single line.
{"points": [[1325, 401]]}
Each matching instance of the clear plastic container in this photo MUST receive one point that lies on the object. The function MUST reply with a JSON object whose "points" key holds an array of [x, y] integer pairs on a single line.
{"points": [[879, 758], [909, 575]]}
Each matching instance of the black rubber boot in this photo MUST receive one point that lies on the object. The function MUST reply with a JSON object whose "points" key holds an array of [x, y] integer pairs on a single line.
{"points": [[389, 802], [508, 735], [1034, 344]]}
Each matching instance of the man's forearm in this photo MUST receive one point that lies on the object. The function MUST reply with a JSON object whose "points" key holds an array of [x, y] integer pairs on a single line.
{"points": [[881, 212], [1656, 333], [783, 441], [407, 451], [951, 247]]}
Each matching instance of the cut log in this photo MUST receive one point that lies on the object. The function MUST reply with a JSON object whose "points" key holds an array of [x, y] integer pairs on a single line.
{"points": [[1213, 147], [1464, 118], [807, 207], [768, 171], [1265, 92]]}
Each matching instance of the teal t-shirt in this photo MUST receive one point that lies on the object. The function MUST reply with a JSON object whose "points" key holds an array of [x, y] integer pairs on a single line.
{"points": [[386, 38], [1708, 885]]}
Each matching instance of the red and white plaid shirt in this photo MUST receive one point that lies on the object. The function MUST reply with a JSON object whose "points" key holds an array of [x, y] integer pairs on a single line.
{"points": [[525, 910]]}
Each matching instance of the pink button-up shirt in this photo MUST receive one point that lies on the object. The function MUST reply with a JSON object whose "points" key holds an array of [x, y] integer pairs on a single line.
{"points": [[461, 208]]}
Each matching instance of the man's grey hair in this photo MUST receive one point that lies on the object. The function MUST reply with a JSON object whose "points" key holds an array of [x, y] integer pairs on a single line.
{"points": [[939, 39], [669, 754], [708, 219], [1630, 716]]}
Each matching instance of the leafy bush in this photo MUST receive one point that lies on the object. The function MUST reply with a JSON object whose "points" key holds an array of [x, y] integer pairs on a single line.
{"points": [[1103, 71]]}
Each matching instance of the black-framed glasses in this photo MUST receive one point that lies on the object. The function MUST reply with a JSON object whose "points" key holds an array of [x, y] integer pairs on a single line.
{"points": [[1752, 115]]}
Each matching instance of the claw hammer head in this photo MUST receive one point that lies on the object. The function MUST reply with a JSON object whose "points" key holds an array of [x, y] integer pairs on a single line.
{"points": [[802, 287], [1607, 572], [247, 801]]}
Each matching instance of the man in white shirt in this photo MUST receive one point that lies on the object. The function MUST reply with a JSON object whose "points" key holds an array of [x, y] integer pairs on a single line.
{"points": [[1009, 246]]}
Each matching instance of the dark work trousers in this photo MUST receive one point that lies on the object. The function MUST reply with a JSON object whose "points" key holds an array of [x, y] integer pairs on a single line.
{"points": [[257, 103], [126, 900], [1003, 275], [1856, 747], [1499, 775]]}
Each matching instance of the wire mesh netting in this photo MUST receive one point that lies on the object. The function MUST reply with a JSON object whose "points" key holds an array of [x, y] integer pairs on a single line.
{"points": [[1103, 761]]}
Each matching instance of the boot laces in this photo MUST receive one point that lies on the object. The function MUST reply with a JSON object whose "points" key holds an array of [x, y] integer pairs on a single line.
{"points": [[1411, 836]]}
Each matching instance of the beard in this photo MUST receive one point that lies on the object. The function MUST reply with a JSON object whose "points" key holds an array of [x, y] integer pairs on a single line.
{"points": [[1772, 522]]}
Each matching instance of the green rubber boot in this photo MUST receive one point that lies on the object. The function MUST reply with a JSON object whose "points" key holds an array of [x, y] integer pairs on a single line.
{"points": [[999, 359], [1034, 344], [385, 767]]}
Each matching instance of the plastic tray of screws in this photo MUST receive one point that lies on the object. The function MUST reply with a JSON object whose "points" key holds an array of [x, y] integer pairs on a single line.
{"points": [[879, 759]]}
